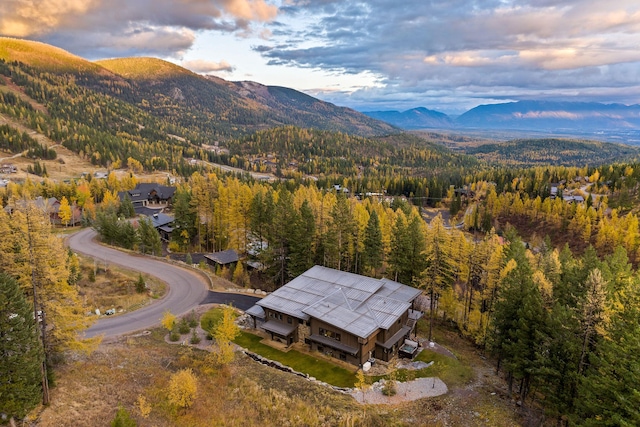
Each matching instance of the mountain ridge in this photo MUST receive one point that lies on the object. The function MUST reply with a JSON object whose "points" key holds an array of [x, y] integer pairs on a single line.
{"points": [[220, 109], [525, 115]]}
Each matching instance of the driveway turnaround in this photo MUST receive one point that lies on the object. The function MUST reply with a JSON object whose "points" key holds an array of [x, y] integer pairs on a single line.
{"points": [[186, 289], [243, 302]]}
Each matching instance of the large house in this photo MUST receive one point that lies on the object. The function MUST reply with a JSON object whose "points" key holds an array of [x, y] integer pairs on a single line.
{"points": [[146, 193], [351, 317]]}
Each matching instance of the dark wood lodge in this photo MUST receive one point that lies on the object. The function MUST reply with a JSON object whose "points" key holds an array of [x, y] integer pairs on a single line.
{"points": [[351, 317]]}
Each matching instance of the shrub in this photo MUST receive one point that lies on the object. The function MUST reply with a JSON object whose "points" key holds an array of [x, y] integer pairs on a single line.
{"points": [[141, 286], [123, 419], [195, 339], [174, 336], [192, 319], [183, 327]]}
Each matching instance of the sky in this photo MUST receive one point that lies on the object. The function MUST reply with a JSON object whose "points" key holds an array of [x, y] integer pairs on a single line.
{"points": [[446, 55]]}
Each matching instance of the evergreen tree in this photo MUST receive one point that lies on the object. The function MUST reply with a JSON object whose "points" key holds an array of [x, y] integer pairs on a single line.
{"points": [[373, 248], [185, 217], [400, 246], [150, 242], [302, 238], [126, 209], [519, 320], [20, 351], [610, 390]]}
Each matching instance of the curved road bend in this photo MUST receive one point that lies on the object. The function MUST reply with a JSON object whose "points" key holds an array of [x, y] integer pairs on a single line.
{"points": [[186, 289]]}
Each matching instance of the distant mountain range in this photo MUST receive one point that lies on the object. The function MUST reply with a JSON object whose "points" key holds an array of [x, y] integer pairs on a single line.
{"points": [[523, 115]]}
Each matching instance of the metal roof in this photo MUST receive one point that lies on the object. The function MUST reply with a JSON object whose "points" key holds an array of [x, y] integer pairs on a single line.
{"points": [[223, 257], [256, 311], [356, 304]]}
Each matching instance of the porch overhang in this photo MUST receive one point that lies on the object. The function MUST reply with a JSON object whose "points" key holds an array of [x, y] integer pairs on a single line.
{"points": [[279, 328], [337, 345], [395, 338]]}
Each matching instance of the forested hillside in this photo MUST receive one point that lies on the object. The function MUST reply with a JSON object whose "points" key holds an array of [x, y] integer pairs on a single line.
{"points": [[565, 152]]}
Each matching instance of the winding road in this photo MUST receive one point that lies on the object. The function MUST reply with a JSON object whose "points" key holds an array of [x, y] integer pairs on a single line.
{"points": [[186, 288]]}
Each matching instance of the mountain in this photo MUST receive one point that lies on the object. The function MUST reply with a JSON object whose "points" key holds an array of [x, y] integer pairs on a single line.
{"points": [[552, 116], [416, 118], [212, 107], [613, 122]]}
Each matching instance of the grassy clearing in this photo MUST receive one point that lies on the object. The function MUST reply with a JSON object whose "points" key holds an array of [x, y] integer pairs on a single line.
{"points": [[320, 369], [114, 287], [454, 372]]}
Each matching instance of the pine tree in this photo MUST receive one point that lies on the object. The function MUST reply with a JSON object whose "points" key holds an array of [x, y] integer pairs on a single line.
{"points": [[373, 249], [20, 351], [302, 238], [126, 209], [150, 242], [610, 390], [519, 320]]}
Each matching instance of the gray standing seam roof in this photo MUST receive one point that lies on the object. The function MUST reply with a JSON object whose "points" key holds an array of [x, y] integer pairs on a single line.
{"points": [[223, 257], [356, 304]]}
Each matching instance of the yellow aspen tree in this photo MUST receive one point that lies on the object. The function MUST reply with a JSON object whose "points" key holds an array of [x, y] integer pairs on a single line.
{"points": [[64, 211], [183, 388], [224, 334], [168, 320]]}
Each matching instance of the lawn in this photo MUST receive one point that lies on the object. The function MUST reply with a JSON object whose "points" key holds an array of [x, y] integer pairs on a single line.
{"points": [[318, 368], [452, 371]]}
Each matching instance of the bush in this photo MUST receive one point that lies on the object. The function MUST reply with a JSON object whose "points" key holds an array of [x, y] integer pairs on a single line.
{"points": [[192, 319], [141, 286], [195, 339], [174, 336], [183, 327], [123, 419]]}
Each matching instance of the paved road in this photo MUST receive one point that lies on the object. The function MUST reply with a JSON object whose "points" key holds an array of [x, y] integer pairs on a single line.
{"points": [[241, 301], [186, 289]]}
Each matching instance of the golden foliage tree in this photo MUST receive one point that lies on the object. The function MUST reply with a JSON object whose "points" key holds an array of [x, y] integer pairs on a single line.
{"points": [[64, 211], [183, 388], [168, 320], [224, 333]]}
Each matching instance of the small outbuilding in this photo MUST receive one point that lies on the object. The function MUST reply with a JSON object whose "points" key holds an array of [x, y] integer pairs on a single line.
{"points": [[222, 258]]}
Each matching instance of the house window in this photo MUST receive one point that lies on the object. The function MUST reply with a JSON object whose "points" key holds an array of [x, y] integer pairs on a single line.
{"points": [[289, 320], [343, 356], [330, 334]]}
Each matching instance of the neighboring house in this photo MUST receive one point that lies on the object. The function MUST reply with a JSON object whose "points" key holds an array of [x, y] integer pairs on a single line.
{"points": [[51, 207], [146, 193], [8, 168], [163, 223], [223, 258], [573, 199], [344, 315]]}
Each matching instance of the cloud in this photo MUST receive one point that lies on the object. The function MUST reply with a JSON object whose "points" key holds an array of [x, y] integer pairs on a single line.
{"points": [[104, 25], [469, 50], [205, 67]]}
